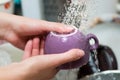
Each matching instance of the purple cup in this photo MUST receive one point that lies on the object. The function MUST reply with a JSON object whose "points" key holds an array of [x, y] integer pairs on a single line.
{"points": [[58, 43]]}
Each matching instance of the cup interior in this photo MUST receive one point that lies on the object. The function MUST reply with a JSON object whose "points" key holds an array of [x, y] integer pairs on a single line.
{"points": [[74, 31]]}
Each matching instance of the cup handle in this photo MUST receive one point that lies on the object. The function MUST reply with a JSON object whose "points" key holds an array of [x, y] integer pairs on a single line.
{"points": [[96, 44]]}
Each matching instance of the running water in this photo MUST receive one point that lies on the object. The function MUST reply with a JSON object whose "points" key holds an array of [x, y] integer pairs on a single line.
{"points": [[75, 14]]}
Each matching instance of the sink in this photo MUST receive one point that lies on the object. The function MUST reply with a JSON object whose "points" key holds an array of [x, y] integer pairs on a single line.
{"points": [[105, 75], [9, 54]]}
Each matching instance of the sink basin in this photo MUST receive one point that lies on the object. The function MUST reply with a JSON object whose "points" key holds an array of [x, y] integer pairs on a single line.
{"points": [[106, 75], [9, 54]]}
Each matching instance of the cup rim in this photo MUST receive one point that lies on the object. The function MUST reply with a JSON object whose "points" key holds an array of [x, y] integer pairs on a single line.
{"points": [[65, 35]]}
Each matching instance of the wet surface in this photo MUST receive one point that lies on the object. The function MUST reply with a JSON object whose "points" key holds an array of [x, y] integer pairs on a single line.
{"points": [[107, 75]]}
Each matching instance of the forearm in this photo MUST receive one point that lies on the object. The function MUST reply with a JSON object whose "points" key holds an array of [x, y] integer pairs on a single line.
{"points": [[9, 23], [5, 74], [11, 72], [5, 25]]}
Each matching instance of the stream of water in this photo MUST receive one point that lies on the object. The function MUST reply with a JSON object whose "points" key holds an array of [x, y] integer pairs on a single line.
{"points": [[75, 13]]}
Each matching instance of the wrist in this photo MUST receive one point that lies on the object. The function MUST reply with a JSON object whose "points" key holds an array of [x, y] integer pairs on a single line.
{"points": [[11, 72]]}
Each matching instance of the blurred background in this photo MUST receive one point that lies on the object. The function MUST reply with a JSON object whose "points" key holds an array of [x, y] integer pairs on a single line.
{"points": [[105, 24]]}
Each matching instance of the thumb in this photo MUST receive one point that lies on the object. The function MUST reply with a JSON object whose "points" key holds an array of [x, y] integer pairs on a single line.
{"points": [[54, 60], [59, 59]]}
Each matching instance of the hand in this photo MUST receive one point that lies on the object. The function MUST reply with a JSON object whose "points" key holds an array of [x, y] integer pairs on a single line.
{"points": [[44, 66], [18, 30], [40, 67]]}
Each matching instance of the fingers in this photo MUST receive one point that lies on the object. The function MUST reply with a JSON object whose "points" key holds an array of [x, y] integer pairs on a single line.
{"points": [[55, 60], [42, 47], [39, 26], [38, 47], [52, 26], [57, 27], [28, 49], [69, 56], [36, 43], [33, 48]]}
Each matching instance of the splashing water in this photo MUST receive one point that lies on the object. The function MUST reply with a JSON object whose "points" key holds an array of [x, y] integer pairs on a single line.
{"points": [[75, 14]]}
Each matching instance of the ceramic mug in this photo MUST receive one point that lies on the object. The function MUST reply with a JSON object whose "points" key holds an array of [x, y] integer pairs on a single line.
{"points": [[59, 43]]}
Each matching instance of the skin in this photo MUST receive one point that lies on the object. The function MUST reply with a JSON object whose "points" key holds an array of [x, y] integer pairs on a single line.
{"points": [[29, 35]]}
